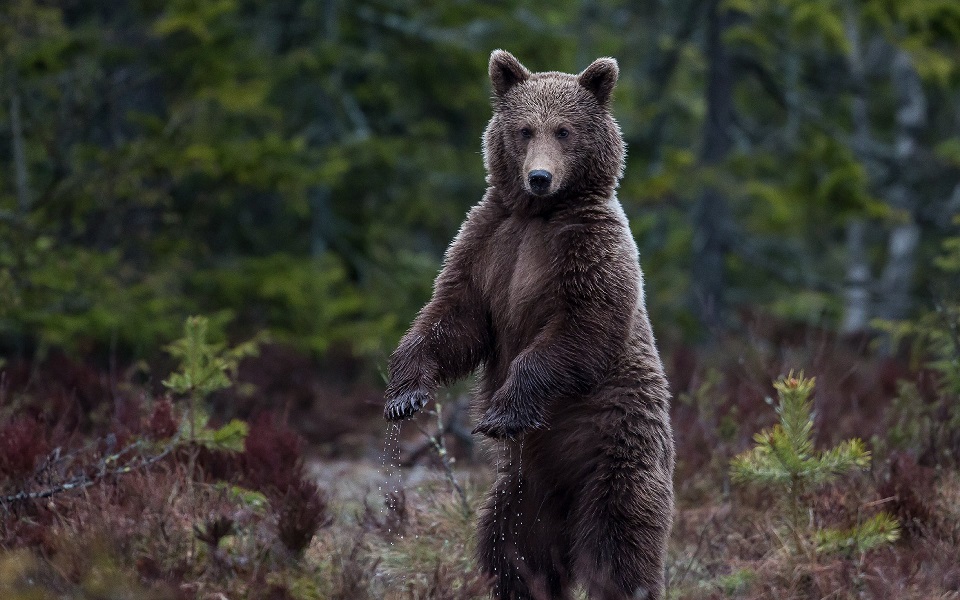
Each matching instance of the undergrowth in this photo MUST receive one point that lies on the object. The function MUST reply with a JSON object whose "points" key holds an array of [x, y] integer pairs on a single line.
{"points": [[168, 502], [106, 494]]}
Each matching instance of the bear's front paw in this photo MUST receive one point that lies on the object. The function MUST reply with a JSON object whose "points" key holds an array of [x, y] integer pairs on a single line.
{"points": [[500, 425], [405, 405]]}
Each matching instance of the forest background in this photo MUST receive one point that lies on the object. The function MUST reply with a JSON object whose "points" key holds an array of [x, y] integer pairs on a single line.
{"points": [[295, 169]]}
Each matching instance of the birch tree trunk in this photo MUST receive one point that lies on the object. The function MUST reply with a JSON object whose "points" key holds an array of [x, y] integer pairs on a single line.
{"points": [[856, 315], [859, 281], [897, 277]]}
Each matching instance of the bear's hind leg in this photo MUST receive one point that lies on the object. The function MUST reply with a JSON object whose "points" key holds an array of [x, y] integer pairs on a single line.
{"points": [[522, 543], [622, 517]]}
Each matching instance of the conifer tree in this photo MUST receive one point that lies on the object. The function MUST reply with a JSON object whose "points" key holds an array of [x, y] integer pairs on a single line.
{"points": [[784, 458]]}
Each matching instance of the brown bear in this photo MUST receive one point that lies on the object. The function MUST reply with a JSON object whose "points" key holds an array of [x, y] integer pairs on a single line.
{"points": [[542, 291]]}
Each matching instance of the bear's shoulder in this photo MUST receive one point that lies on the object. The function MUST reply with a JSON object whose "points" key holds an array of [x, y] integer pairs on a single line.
{"points": [[595, 229]]}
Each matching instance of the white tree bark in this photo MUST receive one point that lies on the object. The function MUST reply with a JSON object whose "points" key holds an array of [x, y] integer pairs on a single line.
{"points": [[859, 280], [897, 278], [857, 293]]}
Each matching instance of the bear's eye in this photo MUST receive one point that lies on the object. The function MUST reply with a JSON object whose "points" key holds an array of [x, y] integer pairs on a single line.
{"points": [[526, 133], [562, 132]]}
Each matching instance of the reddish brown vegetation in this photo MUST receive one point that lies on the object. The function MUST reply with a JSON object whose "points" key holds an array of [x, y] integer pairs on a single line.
{"points": [[725, 541], [162, 424], [852, 397], [163, 535], [911, 491], [100, 498], [272, 456], [22, 444], [301, 512], [332, 402]]}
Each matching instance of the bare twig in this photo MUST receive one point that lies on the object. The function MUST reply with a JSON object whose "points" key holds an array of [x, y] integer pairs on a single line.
{"points": [[693, 557], [451, 426], [437, 443]]}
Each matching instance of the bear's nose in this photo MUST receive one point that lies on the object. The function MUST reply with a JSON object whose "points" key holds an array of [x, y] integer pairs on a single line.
{"points": [[540, 181]]}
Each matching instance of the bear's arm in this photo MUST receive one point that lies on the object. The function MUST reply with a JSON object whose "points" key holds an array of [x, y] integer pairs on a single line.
{"points": [[598, 288], [450, 336]]}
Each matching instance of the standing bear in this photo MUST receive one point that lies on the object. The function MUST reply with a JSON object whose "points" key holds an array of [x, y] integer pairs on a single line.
{"points": [[541, 290]]}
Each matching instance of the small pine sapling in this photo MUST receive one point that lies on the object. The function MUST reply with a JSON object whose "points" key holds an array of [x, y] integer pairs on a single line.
{"points": [[784, 457], [205, 367]]}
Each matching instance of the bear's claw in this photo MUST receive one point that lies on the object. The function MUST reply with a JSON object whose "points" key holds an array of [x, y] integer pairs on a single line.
{"points": [[501, 427], [405, 405]]}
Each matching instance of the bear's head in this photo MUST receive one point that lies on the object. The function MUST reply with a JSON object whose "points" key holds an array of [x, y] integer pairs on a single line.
{"points": [[552, 138]]}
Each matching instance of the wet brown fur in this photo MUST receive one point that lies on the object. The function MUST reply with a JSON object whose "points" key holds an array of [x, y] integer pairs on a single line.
{"points": [[544, 294]]}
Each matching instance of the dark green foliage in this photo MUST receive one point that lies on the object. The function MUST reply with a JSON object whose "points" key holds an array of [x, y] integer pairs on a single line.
{"points": [[301, 166], [205, 366], [927, 422]]}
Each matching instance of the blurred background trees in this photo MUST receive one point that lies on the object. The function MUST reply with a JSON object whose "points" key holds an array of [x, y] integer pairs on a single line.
{"points": [[299, 166]]}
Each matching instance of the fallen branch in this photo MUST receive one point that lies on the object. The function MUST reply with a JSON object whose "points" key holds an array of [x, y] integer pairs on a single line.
{"points": [[78, 482]]}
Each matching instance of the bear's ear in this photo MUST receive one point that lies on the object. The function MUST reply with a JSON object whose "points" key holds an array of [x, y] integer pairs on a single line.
{"points": [[506, 72], [599, 79]]}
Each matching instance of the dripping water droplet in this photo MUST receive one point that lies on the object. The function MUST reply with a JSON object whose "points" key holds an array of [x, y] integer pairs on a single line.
{"points": [[520, 494]]}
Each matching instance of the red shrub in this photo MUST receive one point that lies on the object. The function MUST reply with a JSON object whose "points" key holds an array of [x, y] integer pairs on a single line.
{"points": [[911, 490], [163, 423], [22, 443], [301, 512], [72, 394], [273, 464], [327, 401], [212, 464], [272, 456], [127, 419]]}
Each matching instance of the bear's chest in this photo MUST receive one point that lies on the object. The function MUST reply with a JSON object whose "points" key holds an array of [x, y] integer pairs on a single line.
{"points": [[530, 278], [520, 286]]}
